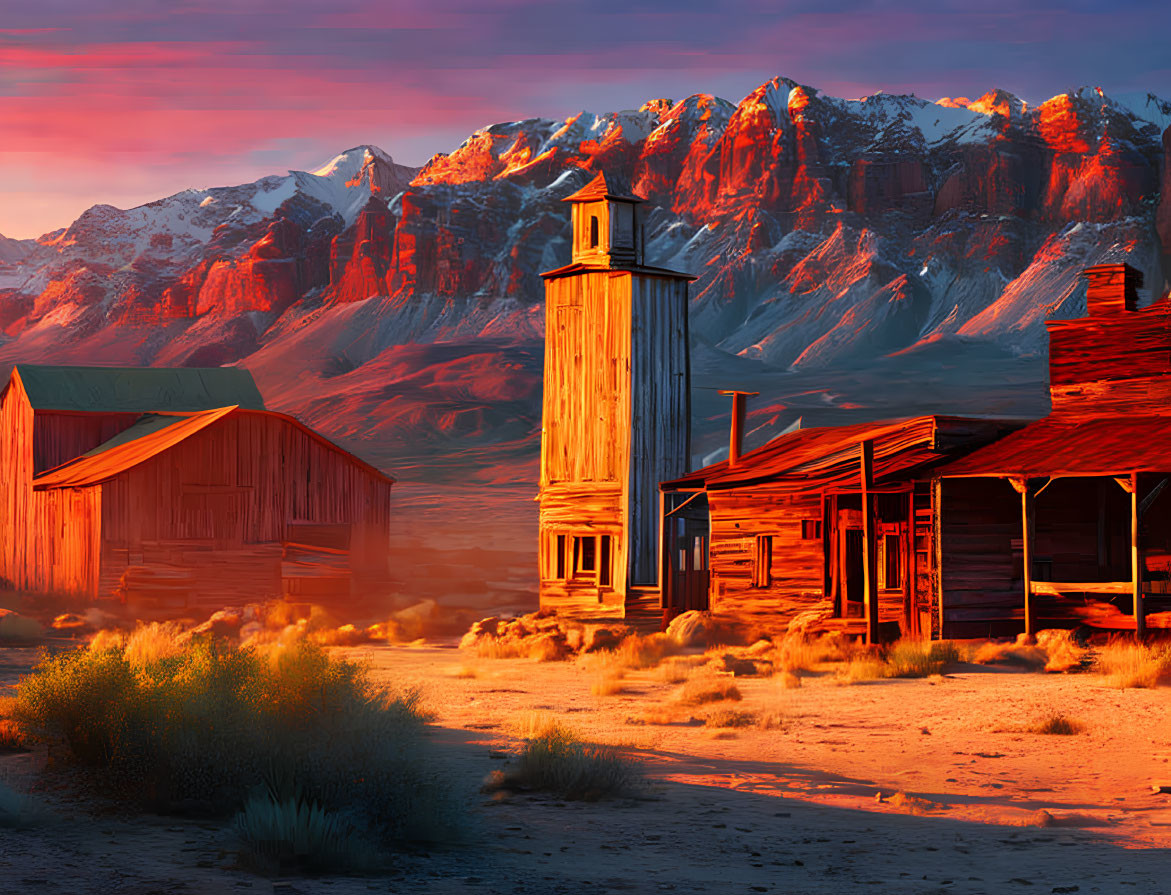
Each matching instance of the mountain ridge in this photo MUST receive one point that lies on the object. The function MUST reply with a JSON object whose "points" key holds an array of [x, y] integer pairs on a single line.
{"points": [[855, 257]]}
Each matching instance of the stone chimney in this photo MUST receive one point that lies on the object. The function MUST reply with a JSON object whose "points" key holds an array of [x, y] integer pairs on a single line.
{"points": [[1112, 289]]}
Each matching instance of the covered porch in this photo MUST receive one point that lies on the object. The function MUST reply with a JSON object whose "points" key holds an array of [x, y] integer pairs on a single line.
{"points": [[1059, 525]]}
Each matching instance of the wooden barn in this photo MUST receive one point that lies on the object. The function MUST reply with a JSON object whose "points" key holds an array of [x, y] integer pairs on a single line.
{"points": [[176, 486], [1065, 522], [616, 413], [833, 527]]}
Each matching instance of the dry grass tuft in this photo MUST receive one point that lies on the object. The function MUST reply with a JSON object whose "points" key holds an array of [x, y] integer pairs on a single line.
{"points": [[701, 690], [1058, 724], [608, 684], [557, 761], [921, 658], [863, 668], [729, 718], [1126, 664], [1054, 650], [798, 652], [467, 672]]}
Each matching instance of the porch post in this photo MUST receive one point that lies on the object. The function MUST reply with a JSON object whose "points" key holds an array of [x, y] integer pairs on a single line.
{"points": [[1028, 526], [869, 554], [664, 563], [1136, 562]]}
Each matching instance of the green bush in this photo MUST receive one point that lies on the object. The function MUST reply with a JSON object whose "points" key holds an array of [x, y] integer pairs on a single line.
{"points": [[558, 762], [198, 729]]}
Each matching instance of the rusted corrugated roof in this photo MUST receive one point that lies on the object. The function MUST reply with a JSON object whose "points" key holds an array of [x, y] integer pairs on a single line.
{"points": [[151, 436], [138, 389], [1075, 445], [830, 456]]}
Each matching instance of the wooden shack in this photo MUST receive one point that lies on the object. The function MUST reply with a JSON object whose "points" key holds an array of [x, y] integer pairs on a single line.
{"points": [[176, 486], [1065, 522], [829, 527], [616, 412]]}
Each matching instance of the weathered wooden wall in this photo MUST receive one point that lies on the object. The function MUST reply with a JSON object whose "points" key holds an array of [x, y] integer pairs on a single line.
{"points": [[660, 411], [59, 436], [738, 517], [49, 541], [981, 566], [586, 403], [218, 502], [1111, 363], [589, 509]]}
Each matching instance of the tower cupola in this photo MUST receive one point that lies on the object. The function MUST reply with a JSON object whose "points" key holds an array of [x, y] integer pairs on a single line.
{"points": [[607, 226]]}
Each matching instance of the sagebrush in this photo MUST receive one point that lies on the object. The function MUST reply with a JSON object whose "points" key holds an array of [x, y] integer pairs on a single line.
{"points": [[202, 724]]}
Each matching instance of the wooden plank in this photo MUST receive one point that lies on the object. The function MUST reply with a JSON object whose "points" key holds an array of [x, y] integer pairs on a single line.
{"points": [[1136, 564], [869, 569], [1061, 588]]}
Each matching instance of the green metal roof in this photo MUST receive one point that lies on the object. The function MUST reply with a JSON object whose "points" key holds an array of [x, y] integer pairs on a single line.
{"points": [[138, 389]]}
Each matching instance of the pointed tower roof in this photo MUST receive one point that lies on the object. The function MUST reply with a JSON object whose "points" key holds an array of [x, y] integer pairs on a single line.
{"points": [[605, 186]]}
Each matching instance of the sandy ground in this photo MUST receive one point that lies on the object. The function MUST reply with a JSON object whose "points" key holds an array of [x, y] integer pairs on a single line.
{"points": [[984, 807]]}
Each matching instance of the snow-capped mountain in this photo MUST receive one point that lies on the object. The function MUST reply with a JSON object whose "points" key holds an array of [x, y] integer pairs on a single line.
{"points": [[877, 256]]}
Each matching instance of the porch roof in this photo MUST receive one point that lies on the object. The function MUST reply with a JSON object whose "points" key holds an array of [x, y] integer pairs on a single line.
{"points": [[1074, 445], [830, 456]]}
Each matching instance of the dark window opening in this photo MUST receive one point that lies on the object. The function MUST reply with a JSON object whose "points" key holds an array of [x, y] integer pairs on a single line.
{"points": [[810, 529], [594, 231], [763, 566], [604, 567], [589, 555], [560, 556], [892, 568]]}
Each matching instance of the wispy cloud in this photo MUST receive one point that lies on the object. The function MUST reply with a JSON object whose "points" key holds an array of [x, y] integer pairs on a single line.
{"points": [[126, 104]]}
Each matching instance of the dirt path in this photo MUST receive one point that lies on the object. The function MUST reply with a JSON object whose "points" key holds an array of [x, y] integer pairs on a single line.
{"points": [[790, 809]]}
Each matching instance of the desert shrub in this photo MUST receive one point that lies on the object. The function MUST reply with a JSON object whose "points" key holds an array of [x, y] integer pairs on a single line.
{"points": [[558, 762], [700, 690], [293, 834], [1058, 724], [729, 718], [798, 652], [200, 728], [1127, 664], [920, 658], [863, 668], [1051, 650], [607, 684]]}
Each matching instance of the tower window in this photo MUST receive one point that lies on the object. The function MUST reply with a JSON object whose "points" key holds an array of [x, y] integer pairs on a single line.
{"points": [[593, 231]]}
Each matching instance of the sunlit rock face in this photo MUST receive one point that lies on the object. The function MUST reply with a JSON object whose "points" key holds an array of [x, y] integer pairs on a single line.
{"points": [[840, 245]]}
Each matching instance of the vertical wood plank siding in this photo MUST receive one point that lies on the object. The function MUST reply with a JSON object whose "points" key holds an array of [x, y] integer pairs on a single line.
{"points": [[660, 409], [980, 558], [49, 540], [212, 512], [219, 504]]}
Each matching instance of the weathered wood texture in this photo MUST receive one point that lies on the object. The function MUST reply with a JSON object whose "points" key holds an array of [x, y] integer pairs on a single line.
{"points": [[207, 519], [49, 541], [660, 411], [738, 518], [980, 557], [615, 422], [59, 437], [227, 494]]}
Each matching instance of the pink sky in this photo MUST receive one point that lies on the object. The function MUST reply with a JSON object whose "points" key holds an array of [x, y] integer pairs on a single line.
{"points": [[129, 105]]}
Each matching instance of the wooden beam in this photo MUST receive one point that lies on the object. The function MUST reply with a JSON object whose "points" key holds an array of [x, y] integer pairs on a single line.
{"points": [[1028, 528], [1136, 561], [910, 576], [869, 557], [664, 565], [937, 548]]}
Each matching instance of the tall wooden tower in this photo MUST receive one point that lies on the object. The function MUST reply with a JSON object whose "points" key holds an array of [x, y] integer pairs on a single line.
{"points": [[617, 410]]}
